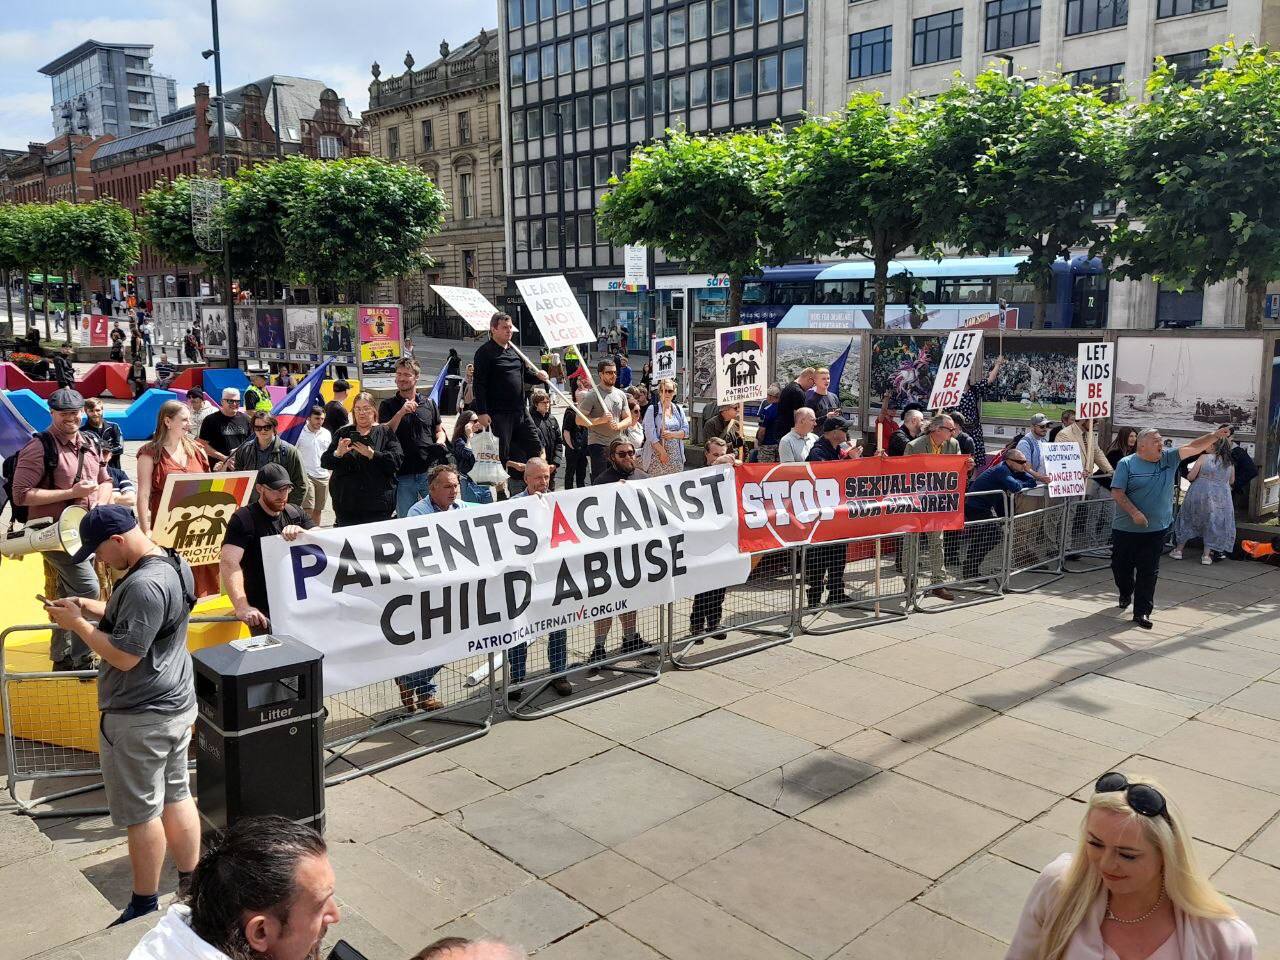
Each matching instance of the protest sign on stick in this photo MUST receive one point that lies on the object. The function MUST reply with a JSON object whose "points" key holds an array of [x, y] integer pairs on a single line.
{"points": [[1095, 379], [1065, 467], [958, 358]]}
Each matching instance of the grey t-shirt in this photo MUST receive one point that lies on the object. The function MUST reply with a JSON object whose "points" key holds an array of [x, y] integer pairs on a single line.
{"points": [[147, 601], [615, 403]]}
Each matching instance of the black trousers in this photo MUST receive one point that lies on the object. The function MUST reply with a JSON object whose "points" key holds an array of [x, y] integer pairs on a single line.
{"points": [[708, 609], [514, 430], [575, 468], [1135, 564], [824, 563]]}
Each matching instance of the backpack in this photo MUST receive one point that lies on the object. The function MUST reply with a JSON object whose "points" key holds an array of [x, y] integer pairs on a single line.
{"points": [[7, 468]]}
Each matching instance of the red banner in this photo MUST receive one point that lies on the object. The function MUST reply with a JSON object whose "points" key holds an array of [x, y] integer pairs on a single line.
{"points": [[98, 330], [785, 504]]}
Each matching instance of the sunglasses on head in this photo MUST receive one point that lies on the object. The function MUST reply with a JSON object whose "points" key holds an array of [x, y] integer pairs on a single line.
{"points": [[1141, 797]]}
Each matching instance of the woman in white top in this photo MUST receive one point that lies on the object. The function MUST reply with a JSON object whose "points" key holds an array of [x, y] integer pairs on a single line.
{"points": [[665, 430], [1131, 890]]}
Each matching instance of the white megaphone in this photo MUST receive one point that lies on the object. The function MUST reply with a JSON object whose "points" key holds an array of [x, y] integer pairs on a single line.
{"points": [[46, 534]]}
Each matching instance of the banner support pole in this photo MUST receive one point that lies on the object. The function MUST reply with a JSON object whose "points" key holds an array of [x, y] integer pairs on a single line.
{"points": [[567, 399]]}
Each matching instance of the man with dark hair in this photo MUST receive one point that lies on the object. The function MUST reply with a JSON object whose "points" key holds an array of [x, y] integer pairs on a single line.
{"points": [[107, 432], [199, 410], [313, 441], [498, 384], [266, 447], [460, 948], [263, 888], [622, 467], [335, 411], [415, 420]]}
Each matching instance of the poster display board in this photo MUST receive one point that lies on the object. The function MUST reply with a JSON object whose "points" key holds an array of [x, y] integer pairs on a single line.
{"points": [[796, 351], [556, 311], [380, 345], [99, 330], [270, 322], [742, 369], [302, 333], [195, 509], [1095, 380], [338, 333], [663, 358], [471, 305], [213, 320], [958, 357], [246, 332], [1065, 467], [635, 267], [1189, 384]]}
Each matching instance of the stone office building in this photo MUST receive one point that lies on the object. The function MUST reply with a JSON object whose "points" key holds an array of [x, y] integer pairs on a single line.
{"points": [[445, 118]]}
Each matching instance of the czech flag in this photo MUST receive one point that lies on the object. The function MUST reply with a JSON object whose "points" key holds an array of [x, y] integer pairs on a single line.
{"points": [[291, 412]]}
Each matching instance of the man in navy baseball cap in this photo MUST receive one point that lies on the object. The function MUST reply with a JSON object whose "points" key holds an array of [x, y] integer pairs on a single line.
{"points": [[101, 524]]}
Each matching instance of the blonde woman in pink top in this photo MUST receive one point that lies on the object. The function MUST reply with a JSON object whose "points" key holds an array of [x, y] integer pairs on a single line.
{"points": [[1131, 890]]}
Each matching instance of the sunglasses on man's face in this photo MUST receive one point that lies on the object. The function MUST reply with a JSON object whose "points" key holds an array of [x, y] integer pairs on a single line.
{"points": [[624, 453]]}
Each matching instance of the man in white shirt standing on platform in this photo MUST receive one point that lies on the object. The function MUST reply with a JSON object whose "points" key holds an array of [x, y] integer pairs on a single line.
{"points": [[313, 441]]}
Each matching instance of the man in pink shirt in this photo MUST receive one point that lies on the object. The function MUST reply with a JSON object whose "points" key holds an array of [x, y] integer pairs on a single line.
{"points": [[79, 477]]}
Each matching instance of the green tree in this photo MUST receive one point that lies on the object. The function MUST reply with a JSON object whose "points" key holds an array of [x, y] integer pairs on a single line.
{"points": [[44, 241], [1012, 164], [11, 250], [353, 221], [853, 185], [165, 225], [1198, 177], [259, 201], [710, 201]]}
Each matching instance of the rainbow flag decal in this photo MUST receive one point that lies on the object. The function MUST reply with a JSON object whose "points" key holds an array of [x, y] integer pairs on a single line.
{"points": [[195, 509]]}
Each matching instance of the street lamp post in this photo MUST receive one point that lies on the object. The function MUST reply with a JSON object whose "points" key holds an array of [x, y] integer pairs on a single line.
{"points": [[81, 125], [233, 345]]}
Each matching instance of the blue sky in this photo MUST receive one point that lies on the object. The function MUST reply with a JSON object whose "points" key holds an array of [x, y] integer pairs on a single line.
{"points": [[330, 40]]}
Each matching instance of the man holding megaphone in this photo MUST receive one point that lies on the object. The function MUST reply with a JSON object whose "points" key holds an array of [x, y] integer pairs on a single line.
{"points": [[61, 468]]}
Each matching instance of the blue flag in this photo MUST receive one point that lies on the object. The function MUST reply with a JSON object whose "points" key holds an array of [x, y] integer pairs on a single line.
{"points": [[437, 390], [837, 369], [14, 429], [291, 412]]}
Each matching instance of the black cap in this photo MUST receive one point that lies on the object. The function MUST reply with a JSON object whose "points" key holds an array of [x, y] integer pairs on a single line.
{"points": [[101, 524], [66, 399], [274, 477], [835, 423]]}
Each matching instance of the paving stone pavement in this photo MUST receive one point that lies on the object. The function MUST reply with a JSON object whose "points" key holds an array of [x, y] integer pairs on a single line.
{"points": [[885, 792]]}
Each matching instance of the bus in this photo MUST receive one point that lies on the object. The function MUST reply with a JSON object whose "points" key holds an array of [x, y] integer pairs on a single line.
{"points": [[60, 292], [928, 294]]}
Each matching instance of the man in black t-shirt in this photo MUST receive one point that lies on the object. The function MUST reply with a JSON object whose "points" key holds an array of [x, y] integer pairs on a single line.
{"points": [[415, 421], [241, 559], [499, 387], [226, 428], [335, 411]]}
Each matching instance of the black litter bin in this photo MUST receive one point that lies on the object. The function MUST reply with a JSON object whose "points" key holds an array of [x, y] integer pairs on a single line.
{"points": [[260, 731]]}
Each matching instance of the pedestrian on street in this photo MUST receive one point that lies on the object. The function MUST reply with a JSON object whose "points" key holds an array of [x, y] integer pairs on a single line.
{"points": [[240, 561], [64, 372], [110, 439], [335, 411], [415, 420], [575, 445], [363, 459], [137, 376], [58, 468], [499, 386], [313, 441], [146, 696], [1143, 491], [226, 428], [605, 423], [665, 430], [266, 447]]}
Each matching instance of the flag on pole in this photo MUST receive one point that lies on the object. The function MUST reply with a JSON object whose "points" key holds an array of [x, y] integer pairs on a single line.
{"points": [[437, 389], [837, 369], [291, 412], [15, 432]]}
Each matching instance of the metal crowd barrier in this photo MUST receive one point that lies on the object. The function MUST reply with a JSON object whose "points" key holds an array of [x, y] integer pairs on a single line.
{"points": [[972, 559], [873, 579], [1088, 535], [1036, 538]]}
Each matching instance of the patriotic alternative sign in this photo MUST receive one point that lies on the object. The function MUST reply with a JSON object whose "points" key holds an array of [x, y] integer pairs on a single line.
{"points": [[1065, 467], [1095, 379], [958, 358], [425, 591], [556, 311], [471, 305], [784, 504], [742, 372], [195, 509], [663, 358]]}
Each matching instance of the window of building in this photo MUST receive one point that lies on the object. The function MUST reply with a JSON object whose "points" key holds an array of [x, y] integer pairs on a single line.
{"points": [[1189, 65], [1175, 308], [428, 138], [719, 84], [564, 57], [792, 6], [571, 231], [937, 38], [467, 191], [658, 31], [553, 233], [584, 171], [1086, 16], [522, 234], [549, 119], [698, 20], [581, 52], [515, 16], [793, 68], [678, 88], [563, 6], [582, 112], [618, 162], [602, 169], [658, 100], [535, 179], [744, 13], [517, 68], [719, 16], [534, 117], [531, 66], [566, 174], [638, 104], [635, 38], [551, 176], [767, 74], [599, 109], [599, 49], [618, 104], [548, 54], [329, 147], [393, 142], [743, 78], [1109, 80], [586, 229], [768, 10], [618, 41], [677, 31], [1012, 23], [547, 9], [566, 116], [537, 235], [698, 88], [1176, 8], [870, 52], [518, 130], [519, 181]]}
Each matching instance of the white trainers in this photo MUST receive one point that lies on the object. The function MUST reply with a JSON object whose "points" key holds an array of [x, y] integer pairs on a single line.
{"points": [[1207, 560], [1175, 554]]}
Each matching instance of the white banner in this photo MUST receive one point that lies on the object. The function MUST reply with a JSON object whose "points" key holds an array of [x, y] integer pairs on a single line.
{"points": [[1065, 467], [556, 311], [663, 358], [958, 358], [635, 266], [1095, 379], [742, 368], [425, 591], [472, 305]]}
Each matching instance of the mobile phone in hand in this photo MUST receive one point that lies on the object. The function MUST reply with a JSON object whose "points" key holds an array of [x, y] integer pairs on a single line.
{"points": [[43, 599]]}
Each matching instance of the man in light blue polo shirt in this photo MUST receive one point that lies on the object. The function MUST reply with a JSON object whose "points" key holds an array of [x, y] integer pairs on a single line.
{"points": [[1143, 491]]}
